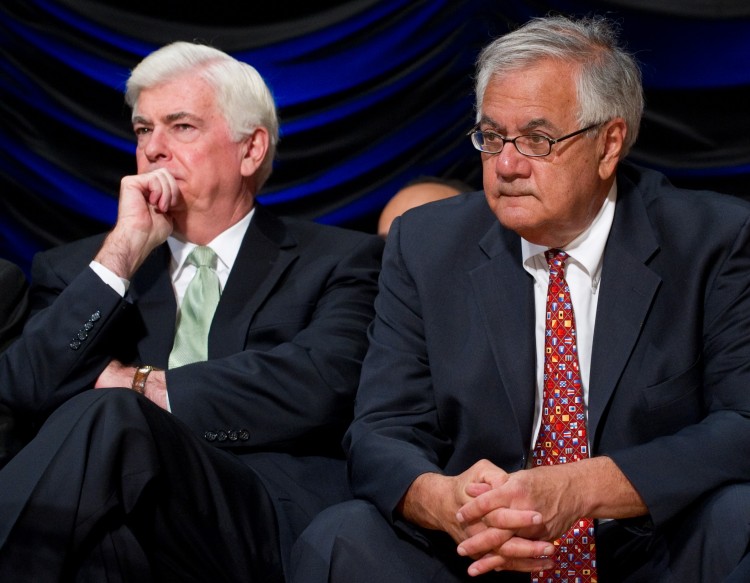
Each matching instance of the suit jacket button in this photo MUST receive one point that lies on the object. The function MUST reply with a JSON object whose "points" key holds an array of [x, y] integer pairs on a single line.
{"points": [[209, 436], [232, 435], [95, 316], [222, 436], [244, 435], [75, 344]]}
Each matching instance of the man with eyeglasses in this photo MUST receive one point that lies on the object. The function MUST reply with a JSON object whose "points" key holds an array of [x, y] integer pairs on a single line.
{"points": [[556, 387]]}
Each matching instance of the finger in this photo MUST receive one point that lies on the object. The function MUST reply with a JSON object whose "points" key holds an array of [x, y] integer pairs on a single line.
{"points": [[482, 505], [512, 519], [504, 542], [494, 562], [159, 189], [483, 542], [486, 472], [475, 489], [171, 193]]}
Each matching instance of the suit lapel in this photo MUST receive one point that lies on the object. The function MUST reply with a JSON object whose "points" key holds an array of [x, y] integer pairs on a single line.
{"points": [[505, 295], [628, 288], [263, 257], [151, 290]]}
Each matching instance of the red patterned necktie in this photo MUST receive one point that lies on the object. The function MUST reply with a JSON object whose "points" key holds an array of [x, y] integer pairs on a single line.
{"points": [[562, 436]]}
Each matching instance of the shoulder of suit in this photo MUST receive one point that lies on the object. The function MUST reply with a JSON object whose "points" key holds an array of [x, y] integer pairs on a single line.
{"points": [[304, 230], [73, 256], [77, 246], [656, 186], [468, 210]]}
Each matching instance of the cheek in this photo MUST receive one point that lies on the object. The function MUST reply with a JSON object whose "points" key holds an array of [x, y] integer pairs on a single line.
{"points": [[141, 162], [489, 177], [488, 182]]}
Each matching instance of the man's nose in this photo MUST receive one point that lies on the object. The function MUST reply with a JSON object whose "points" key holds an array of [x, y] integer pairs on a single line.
{"points": [[156, 146], [510, 162]]}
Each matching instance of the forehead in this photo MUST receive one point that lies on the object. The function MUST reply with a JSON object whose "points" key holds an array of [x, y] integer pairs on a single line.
{"points": [[541, 93], [187, 93]]}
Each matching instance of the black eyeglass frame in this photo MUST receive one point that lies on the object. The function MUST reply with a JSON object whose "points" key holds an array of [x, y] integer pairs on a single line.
{"points": [[475, 130]]}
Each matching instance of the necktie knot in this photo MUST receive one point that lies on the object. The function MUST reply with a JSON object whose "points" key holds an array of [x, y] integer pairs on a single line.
{"points": [[556, 261], [202, 256]]}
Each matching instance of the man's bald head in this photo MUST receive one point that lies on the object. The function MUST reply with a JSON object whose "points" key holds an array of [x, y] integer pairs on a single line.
{"points": [[413, 195]]}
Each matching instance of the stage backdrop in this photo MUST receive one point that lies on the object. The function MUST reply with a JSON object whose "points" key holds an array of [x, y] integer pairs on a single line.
{"points": [[371, 94]]}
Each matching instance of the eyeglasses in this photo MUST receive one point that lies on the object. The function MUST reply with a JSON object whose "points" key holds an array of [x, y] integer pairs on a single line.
{"points": [[533, 145]]}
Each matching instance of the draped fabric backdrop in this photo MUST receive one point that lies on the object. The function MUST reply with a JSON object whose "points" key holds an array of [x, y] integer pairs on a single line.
{"points": [[371, 94]]}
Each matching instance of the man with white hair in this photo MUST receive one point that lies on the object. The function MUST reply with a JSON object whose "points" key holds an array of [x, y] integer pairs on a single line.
{"points": [[192, 371]]}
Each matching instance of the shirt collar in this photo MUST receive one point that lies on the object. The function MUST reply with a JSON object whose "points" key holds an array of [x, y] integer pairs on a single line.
{"points": [[226, 245], [588, 248]]}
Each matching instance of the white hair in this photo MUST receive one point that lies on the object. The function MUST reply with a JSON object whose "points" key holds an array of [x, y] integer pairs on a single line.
{"points": [[241, 93], [608, 83]]}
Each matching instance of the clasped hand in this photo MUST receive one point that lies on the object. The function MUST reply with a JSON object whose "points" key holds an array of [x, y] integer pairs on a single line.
{"points": [[145, 202], [512, 519], [144, 220]]}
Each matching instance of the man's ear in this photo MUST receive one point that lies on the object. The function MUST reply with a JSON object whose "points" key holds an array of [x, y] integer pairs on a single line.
{"points": [[613, 137], [254, 150]]}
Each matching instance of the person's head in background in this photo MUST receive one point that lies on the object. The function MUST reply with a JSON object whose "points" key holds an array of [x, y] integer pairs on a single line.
{"points": [[417, 192]]}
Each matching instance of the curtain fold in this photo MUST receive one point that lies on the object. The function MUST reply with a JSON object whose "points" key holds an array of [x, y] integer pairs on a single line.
{"points": [[371, 94]]}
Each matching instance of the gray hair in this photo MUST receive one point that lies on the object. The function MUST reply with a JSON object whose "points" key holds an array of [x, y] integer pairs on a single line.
{"points": [[243, 97], [608, 83]]}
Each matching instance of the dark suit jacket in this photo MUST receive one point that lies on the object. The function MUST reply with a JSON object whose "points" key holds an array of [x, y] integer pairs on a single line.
{"points": [[450, 375], [285, 346], [13, 308], [13, 301]]}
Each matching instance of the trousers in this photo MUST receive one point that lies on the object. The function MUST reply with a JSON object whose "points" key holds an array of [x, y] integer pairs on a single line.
{"points": [[352, 542], [113, 488]]}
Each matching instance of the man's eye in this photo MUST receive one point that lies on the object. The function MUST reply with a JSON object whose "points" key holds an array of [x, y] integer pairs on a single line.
{"points": [[183, 127], [536, 139], [141, 131], [492, 137]]}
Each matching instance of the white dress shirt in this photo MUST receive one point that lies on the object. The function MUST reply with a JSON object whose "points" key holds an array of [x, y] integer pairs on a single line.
{"points": [[226, 246], [583, 274]]}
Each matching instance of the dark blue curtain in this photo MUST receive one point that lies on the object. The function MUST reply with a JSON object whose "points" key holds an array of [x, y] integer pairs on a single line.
{"points": [[370, 94]]}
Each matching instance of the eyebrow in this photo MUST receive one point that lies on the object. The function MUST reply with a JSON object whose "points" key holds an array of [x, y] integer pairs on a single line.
{"points": [[538, 123], [169, 118], [532, 124]]}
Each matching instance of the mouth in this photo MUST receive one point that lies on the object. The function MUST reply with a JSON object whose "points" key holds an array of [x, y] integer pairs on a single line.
{"points": [[512, 194], [174, 174]]}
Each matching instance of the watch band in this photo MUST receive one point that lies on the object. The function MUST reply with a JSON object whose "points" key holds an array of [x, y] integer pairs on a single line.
{"points": [[140, 377]]}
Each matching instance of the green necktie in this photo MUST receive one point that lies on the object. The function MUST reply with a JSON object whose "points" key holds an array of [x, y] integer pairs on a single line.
{"points": [[197, 310]]}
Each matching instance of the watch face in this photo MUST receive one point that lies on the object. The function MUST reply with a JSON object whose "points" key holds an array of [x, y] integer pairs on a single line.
{"points": [[139, 379]]}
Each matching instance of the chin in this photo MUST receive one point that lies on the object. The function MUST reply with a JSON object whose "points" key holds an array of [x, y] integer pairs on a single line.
{"points": [[513, 213]]}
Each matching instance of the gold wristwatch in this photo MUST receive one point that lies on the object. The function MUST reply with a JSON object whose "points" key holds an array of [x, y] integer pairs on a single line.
{"points": [[140, 377]]}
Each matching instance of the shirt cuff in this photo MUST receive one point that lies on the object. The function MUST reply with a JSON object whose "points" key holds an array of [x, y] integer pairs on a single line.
{"points": [[117, 283]]}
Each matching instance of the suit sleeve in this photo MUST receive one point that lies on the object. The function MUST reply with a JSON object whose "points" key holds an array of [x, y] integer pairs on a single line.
{"points": [[60, 352], [396, 434], [297, 394]]}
